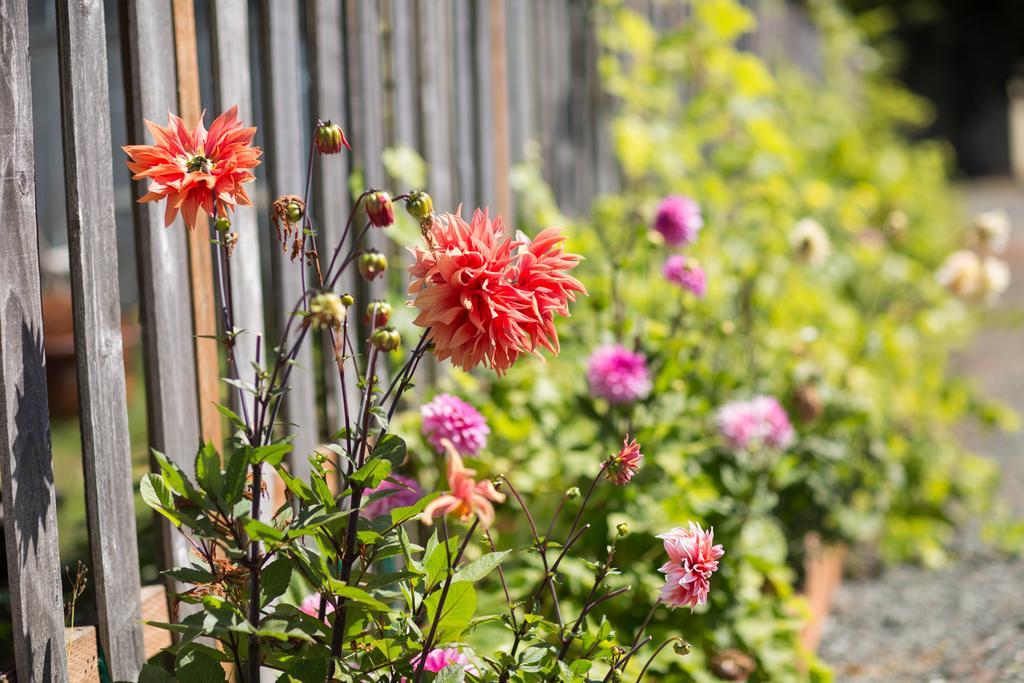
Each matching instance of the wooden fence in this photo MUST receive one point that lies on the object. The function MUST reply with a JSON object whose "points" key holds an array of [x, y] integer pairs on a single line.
{"points": [[466, 83]]}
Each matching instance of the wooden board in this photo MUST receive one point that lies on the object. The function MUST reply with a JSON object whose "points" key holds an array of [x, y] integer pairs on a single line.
{"points": [[161, 256], [283, 127], [499, 142], [92, 246], [26, 469], [332, 203], [435, 80], [204, 301]]}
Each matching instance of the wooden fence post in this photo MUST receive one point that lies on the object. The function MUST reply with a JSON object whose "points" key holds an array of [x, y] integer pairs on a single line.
{"points": [[332, 199], [161, 256], [286, 164], [29, 499], [435, 101], [92, 243], [204, 303], [499, 126]]}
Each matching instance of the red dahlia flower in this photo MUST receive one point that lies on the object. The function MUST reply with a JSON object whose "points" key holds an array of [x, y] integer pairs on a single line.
{"points": [[486, 297], [197, 170]]}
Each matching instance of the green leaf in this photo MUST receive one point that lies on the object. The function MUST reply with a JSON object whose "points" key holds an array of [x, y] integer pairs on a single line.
{"points": [[230, 415], [261, 531], [272, 454], [404, 514], [154, 674], [391, 448], [481, 567], [190, 575], [274, 579], [196, 666], [371, 474], [358, 595], [453, 673], [235, 475], [208, 472], [157, 495], [456, 612], [436, 561]]}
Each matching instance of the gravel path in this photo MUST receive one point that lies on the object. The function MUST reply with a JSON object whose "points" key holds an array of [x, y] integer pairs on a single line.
{"points": [[964, 623]]}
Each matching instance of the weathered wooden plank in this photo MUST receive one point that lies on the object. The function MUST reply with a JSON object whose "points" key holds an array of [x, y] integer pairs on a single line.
{"points": [[286, 170], [520, 90], [484, 89], [232, 86], [462, 46], [435, 77], [499, 139], [365, 75], [204, 302], [92, 244], [26, 469], [332, 201], [161, 257], [403, 74]]}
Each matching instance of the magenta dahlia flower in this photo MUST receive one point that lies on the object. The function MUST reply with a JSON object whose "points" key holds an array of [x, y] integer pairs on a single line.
{"points": [[311, 606], [678, 220], [620, 467], [450, 418], [761, 420], [686, 273], [692, 559], [618, 375], [404, 491]]}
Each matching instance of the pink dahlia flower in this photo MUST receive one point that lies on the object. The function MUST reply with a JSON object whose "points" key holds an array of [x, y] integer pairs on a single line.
{"points": [[692, 559], [486, 297], [466, 496], [761, 420], [620, 467], [678, 220], [686, 273], [449, 417], [404, 492], [197, 170], [618, 375], [439, 658], [311, 606]]}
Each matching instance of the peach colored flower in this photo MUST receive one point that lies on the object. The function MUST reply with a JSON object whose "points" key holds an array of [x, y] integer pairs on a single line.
{"points": [[620, 467], [486, 297], [466, 496], [692, 559], [197, 170]]}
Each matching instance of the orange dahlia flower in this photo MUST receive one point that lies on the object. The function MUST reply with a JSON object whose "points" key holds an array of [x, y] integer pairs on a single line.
{"points": [[197, 170], [486, 297], [466, 496]]}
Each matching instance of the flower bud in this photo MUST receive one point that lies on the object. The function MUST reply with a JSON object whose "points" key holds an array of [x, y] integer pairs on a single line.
{"points": [[419, 205], [372, 264], [347, 300], [622, 528], [379, 210], [295, 211], [573, 493], [682, 647], [378, 313], [223, 224], [327, 310], [386, 339], [330, 138]]}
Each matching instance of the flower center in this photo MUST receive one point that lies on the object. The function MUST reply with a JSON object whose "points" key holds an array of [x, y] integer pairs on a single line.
{"points": [[198, 163]]}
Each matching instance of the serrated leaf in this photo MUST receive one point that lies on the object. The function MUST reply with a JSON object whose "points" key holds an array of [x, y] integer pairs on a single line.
{"points": [[391, 448], [481, 567], [453, 673], [274, 580], [272, 454], [371, 474], [208, 472], [358, 595], [262, 531], [157, 495], [456, 612]]}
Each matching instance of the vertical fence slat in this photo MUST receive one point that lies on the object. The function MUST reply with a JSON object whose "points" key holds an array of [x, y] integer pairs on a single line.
{"points": [[403, 73], [92, 243], [286, 163], [499, 117], [435, 98], [462, 45], [365, 75], [29, 499], [232, 85], [204, 303], [484, 89], [161, 256], [520, 90], [332, 201]]}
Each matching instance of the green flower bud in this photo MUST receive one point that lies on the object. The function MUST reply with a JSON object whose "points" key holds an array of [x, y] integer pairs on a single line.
{"points": [[419, 205], [223, 224], [378, 313], [386, 339]]}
